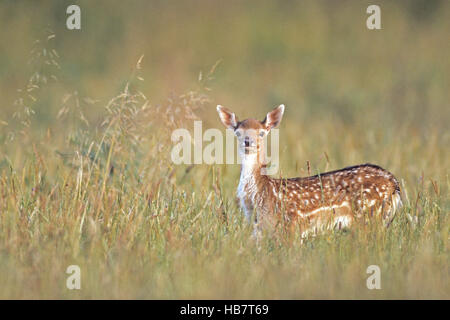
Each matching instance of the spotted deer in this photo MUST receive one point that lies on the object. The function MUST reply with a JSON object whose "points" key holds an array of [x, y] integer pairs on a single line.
{"points": [[328, 200]]}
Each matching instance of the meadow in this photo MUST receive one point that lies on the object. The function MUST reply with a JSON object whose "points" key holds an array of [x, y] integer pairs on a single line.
{"points": [[87, 115]]}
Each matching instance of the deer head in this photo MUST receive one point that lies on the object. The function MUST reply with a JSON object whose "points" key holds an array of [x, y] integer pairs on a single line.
{"points": [[251, 133]]}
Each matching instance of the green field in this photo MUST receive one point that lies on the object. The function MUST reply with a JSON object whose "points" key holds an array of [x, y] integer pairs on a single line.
{"points": [[86, 118]]}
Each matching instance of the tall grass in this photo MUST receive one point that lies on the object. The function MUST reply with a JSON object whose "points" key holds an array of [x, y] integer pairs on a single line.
{"points": [[86, 179]]}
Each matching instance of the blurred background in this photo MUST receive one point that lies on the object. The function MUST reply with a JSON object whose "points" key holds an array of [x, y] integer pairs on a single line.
{"points": [[317, 57]]}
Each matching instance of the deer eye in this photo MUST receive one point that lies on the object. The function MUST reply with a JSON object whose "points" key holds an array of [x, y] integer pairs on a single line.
{"points": [[238, 134]]}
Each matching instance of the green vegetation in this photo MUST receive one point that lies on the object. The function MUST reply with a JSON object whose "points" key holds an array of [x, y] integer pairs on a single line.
{"points": [[85, 171]]}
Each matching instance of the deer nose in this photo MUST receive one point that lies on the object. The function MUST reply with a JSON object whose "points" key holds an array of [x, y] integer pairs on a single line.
{"points": [[247, 142]]}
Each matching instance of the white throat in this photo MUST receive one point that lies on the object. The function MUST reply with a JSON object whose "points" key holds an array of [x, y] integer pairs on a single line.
{"points": [[249, 164], [247, 188]]}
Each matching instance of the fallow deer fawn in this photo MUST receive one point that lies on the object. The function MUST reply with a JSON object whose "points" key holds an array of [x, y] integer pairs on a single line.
{"points": [[328, 200]]}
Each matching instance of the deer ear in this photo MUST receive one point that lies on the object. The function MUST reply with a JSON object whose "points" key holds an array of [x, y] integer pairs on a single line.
{"points": [[273, 118], [227, 117]]}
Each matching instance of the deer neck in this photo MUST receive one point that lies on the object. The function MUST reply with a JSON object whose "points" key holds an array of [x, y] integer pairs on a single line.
{"points": [[251, 176], [250, 167]]}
